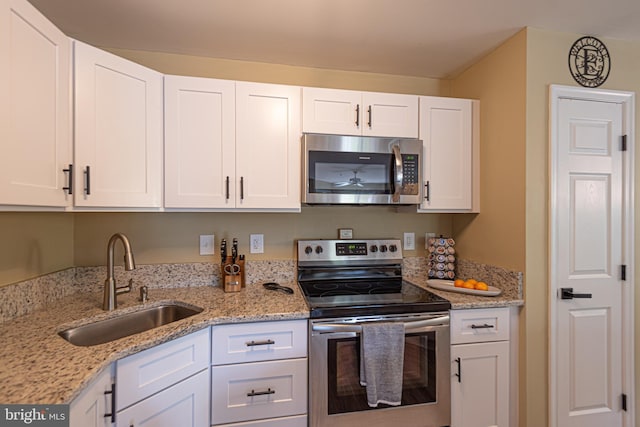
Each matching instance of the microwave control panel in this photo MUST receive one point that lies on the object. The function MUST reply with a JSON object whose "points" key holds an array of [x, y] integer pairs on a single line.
{"points": [[410, 178]]}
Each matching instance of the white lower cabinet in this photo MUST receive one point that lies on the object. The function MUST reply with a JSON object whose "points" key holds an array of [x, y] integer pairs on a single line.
{"points": [[480, 368], [259, 374], [167, 385], [93, 407], [185, 404]]}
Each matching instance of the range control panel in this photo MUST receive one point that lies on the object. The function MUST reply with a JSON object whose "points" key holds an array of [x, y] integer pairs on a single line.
{"points": [[350, 250]]}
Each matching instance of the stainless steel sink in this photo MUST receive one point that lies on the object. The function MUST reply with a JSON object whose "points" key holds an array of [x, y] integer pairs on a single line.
{"points": [[127, 324]]}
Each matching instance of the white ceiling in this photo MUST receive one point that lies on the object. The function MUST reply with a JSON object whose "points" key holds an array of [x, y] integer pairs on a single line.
{"points": [[425, 38]]}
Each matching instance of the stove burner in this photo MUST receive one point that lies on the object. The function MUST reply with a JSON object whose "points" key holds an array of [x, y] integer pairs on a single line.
{"points": [[325, 286]]}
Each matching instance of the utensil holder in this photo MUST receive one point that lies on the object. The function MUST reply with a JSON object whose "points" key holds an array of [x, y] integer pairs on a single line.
{"points": [[232, 282]]}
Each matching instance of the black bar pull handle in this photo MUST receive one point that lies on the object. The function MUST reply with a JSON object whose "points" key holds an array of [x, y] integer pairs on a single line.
{"points": [[459, 374], [227, 188], [265, 342], [112, 392], [427, 191], [358, 115], [242, 188], [370, 117], [485, 326], [261, 393], [87, 185], [567, 293], [69, 187]]}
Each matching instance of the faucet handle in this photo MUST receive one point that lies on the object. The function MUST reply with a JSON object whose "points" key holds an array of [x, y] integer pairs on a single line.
{"points": [[144, 294]]}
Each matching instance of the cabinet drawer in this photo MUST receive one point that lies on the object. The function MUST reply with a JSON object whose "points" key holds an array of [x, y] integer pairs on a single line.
{"points": [[251, 342], [150, 371], [297, 421], [253, 391], [479, 325]]}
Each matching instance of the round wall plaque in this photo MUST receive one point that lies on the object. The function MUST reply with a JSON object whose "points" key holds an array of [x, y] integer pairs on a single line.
{"points": [[589, 62]]}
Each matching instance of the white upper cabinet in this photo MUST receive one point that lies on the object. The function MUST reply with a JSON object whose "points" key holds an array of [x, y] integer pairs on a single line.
{"points": [[118, 131], [35, 108], [199, 142], [231, 145], [346, 112], [267, 146], [451, 166]]}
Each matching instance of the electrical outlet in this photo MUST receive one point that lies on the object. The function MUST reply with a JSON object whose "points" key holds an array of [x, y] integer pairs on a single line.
{"points": [[206, 244], [409, 241], [256, 243]]}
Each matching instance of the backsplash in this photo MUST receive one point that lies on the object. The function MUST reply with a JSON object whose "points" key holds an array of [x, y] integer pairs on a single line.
{"points": [[24, 297]]}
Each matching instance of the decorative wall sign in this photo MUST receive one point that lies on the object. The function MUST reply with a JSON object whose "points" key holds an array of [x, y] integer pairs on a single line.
{"points": [[589, 62]]}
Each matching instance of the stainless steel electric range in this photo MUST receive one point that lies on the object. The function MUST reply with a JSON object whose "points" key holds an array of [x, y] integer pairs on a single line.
{"points": [[350, 282]]}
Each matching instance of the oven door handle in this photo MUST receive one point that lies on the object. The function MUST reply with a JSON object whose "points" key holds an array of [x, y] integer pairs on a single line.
{"points": [[408, 326]]}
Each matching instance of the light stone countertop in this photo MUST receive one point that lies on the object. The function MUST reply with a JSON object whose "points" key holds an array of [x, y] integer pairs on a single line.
{"points": [[39, 367]]}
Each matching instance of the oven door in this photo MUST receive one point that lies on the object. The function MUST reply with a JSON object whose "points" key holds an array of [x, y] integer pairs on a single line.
{"points": [[336, 396]]}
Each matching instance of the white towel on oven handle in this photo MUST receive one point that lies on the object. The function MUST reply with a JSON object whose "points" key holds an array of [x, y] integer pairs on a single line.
{"points": [[382, 362]]}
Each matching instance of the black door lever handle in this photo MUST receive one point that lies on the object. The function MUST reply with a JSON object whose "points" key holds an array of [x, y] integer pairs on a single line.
{"points": [[567, 293]]}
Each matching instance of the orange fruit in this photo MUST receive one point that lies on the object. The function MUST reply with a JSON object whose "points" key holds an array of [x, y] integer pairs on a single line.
{"points": [[458, 283], [468, 284], [472, 281], [481, 286]]}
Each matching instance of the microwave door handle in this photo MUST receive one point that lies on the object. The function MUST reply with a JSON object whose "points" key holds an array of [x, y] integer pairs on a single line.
{"points": [[398, 173]]}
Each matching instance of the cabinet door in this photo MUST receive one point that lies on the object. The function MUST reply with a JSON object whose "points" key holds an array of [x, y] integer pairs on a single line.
{"points": [[388, 114], [446, 132], [333, 111], [142, 374], [35, 108], [267, 146], [185, 404], [118, 131], [89, 409], [480, 397], [199, 143]]}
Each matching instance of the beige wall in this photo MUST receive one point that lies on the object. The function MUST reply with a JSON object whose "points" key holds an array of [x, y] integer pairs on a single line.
{"points": [[173, 237], [186, 65], [497, 235], [34, 244], [547, 64]]}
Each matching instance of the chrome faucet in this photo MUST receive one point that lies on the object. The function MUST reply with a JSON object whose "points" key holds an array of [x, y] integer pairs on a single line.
{"points": [[111, 291]]}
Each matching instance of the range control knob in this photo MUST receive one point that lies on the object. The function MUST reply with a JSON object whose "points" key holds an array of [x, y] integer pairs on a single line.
{"points": [[393, 248], [319, 249], [383, 248], [374, 248], [308, 250]]}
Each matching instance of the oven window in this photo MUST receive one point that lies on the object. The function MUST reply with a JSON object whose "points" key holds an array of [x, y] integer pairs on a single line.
{"points": [[345, 394], [337, 172]]}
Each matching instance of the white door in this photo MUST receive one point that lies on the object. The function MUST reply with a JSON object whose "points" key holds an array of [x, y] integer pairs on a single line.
{"points": [[331, 111], [185, 404], [35, 108], [589, 208], [390, 115], [200, 142], [480, 396], [118, 131], [91, 408], [446, 131], [267, 146]]}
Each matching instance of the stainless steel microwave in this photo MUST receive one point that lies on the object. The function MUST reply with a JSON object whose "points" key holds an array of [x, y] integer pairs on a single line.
{"points": [[361, 170]]}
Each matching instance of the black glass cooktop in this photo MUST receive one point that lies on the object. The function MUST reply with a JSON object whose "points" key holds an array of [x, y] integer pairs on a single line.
{"points": [[369, 297]]}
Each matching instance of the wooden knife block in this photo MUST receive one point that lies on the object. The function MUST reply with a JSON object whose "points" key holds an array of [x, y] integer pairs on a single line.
{"points": [[233, 283]]}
